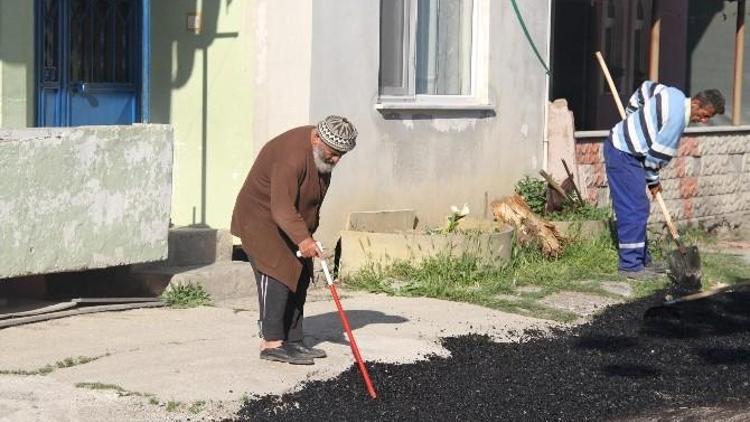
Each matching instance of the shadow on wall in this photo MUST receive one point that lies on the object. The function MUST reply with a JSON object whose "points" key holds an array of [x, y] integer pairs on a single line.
{"points": [[173, 51]]}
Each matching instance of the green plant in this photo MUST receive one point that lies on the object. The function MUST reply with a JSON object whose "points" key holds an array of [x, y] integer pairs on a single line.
{"points": [[454, 217], [533, 192], [187, 295]]}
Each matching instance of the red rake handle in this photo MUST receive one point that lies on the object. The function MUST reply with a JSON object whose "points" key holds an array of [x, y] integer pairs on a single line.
{"points": [[353, 343], [347, 328]]}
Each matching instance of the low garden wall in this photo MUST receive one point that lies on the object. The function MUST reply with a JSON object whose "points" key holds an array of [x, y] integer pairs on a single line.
{"points": [[83, 198], [708, 182]]}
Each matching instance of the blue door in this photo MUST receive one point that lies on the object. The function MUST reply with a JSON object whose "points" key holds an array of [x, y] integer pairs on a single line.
{"points": [[88, 55]]}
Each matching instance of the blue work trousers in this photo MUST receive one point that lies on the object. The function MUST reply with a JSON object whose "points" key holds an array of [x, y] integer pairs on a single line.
{"points": [[627, 186]]}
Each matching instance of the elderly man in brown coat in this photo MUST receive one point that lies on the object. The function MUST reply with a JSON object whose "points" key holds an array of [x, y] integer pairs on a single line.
{"points": [[276, 213]]}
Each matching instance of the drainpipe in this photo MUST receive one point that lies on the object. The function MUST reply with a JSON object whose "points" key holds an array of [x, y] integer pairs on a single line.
{"points": [[146, 62], [546, 99], [739, 54]]}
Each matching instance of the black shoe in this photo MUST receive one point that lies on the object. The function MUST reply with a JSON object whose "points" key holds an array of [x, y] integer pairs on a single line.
{"points": [[285, 354], [305, 351]]}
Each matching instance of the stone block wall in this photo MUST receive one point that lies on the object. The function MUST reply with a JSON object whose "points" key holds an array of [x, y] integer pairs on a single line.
{"points": [[83, 198], [709, 180]]}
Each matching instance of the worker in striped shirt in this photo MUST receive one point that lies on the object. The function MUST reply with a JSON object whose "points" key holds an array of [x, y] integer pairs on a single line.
{"points": [[636, 149]]}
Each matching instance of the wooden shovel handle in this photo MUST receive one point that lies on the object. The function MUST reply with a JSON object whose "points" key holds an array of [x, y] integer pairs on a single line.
{"points": [[667, 217], [612, 87]]}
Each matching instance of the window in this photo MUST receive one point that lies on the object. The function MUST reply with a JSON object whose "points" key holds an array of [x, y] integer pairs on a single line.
{"points": [[432, 54]]}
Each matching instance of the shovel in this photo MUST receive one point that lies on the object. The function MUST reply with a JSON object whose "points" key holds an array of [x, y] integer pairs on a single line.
{"points": [[684, 263]]}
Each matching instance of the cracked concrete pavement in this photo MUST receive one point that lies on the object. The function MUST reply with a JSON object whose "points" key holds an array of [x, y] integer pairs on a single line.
{"points": [[207, 357]]}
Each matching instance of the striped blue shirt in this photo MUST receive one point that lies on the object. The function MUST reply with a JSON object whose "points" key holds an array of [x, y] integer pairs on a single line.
{"points": [[653, 127]]}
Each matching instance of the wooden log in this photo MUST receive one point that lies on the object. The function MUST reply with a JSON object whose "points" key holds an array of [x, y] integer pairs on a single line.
{"points": [[530, 228]]}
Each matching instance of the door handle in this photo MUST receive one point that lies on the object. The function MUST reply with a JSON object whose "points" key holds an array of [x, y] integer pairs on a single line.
{"points": [[80, 87]]}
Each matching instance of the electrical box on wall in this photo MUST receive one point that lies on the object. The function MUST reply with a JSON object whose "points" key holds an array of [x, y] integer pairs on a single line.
{"points": [[194, 22]]}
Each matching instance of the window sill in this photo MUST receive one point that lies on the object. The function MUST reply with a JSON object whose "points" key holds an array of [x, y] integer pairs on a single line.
{"points": [[428, 106]]}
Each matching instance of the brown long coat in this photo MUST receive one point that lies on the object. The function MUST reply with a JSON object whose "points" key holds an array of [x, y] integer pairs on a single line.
{"points": [[279, 205]]}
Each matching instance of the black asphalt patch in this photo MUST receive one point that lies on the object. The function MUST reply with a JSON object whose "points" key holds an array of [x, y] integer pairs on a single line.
{"points": [[618, 366]]}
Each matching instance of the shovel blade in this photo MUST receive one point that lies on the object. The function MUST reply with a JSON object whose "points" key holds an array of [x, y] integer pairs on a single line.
{"points": [[685, 269]]}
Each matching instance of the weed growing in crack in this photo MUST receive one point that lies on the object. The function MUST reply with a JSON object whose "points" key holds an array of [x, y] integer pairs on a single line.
{"points": [[173, 406], [188, 295], [65, 363], [101, 386], [197, 407], [117, 389]]}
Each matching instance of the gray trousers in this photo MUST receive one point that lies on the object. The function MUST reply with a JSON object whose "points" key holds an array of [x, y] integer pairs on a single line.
{"points": [[281, 310]]}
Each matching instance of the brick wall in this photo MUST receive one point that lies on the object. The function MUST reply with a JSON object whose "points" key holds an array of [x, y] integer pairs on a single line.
{"points": [[709, 180]]}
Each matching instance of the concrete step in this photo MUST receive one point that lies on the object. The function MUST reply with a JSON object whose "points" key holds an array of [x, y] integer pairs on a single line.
{"points": [[198, 246], [222, 280]]}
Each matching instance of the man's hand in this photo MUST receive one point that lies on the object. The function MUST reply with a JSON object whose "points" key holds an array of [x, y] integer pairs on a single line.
{"points": [[309, 248], [655, 189]]}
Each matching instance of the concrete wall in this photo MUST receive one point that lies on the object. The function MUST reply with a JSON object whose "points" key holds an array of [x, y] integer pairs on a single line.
{"points": [[424, 160], [83, 198], [282, 85], [708, 182], [16, 63], [202, 85]]}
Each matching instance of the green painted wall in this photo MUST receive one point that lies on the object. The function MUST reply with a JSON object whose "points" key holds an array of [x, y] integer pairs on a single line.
{"points": [[208, 101], [16, 63]]}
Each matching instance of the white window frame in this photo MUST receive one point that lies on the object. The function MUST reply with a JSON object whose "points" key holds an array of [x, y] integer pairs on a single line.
{"points": [[478, 99]]}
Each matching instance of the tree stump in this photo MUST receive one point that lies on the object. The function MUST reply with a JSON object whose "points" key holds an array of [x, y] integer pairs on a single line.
{"points": [[530, 228]]}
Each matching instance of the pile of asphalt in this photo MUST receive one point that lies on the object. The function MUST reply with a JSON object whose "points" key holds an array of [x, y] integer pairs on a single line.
{"points": [[619, 365]]}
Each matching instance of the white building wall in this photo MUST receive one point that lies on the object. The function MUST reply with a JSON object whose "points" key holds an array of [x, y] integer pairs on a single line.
{"points": [[425, 160]]}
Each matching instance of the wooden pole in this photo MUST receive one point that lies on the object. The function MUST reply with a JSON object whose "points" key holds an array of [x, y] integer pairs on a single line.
{"points": [[653, 62], [739, 47]]}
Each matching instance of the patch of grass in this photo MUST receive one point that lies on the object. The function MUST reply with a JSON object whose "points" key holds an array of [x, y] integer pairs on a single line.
{"points": [[65, 363], [80, 360], [41, 371], [197, 407], [580, 213], [116, 388], [723, 268], [101, 386], [188, 295], [582, 266], [465, 279], [173, 406]]}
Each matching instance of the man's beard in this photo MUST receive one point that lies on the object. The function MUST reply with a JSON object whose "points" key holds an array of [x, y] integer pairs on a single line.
{"points": [[320, 163]]}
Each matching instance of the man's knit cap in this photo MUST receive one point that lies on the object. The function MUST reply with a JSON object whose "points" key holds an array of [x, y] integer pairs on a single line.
{"points": [[338, 133]]}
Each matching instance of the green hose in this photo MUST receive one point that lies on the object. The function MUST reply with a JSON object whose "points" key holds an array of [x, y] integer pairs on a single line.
{"points": [[528, 36]]}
